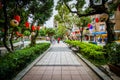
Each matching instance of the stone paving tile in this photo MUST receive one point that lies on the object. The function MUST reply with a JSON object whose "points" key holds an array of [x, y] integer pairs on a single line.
{"points": [[66, 77], [77, 77], [59, 64], [57, 73], [46, 77]]}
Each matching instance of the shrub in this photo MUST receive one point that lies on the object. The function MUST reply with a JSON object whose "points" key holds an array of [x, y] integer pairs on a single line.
{"points": [[90, 51], [113, 52], [14, 62]]}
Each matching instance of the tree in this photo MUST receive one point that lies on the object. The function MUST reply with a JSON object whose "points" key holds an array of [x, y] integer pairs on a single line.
{"points": [[42, 32], [50, 31], [8, 10], [107, 7], [41, 10], [41, 13], [81, 23], [60, 31]]}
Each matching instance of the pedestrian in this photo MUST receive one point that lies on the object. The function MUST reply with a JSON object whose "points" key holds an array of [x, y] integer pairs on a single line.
{"points": [[58, 40]]}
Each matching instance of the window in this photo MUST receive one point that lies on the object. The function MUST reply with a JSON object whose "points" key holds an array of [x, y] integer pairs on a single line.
{"points": [[102, 27]]}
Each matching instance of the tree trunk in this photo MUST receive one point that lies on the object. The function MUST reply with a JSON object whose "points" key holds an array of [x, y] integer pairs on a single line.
{"points": [[11, 43], [81, 31], [110, 31], [81, 35], [5, 26], [33, 39]]}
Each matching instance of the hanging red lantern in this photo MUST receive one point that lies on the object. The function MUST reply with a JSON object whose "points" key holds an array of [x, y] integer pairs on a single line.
{"points": [[21, 35], [96, 20], [14, 23], [38, 27], [27, 24], [17, 17], [17, 33], [33, 28], [73, 33], [89, 25]]}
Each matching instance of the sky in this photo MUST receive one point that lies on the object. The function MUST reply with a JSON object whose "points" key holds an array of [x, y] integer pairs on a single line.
{"points": [[49, 23]]}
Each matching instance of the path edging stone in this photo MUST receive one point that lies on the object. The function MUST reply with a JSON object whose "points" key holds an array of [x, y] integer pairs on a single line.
{"points": [[25, 70], [102, 75]]}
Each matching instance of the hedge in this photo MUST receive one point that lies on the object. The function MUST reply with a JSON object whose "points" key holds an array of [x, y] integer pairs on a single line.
{"points": [[13, 63], [91, 51]]}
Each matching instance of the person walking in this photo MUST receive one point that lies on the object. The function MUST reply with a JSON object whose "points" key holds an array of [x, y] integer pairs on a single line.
{"points": [[58, 40]]}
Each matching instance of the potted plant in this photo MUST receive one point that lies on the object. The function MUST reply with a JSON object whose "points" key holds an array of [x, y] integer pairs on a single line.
{"points": [[113, 52]]}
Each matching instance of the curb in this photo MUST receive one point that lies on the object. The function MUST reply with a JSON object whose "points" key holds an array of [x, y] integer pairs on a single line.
{"points": [[102, 75], [25, 70]]}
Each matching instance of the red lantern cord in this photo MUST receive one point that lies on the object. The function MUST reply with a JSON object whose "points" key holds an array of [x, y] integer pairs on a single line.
{"points": [[96, 20], [27, 24], [17, 17]]}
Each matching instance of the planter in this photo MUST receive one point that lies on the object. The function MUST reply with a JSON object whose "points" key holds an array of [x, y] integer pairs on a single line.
{"points": [[115, 69]]}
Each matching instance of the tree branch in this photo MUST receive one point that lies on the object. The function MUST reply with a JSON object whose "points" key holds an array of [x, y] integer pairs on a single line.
{"points": [[100, 10]]}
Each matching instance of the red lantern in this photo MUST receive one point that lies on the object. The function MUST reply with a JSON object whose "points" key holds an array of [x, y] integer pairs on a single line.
{"points": [[17, 17], [17, 33], [27, 24], [14, 23], [89, 25], [96, 20], [38, 27], [33, 28], [73, 33], [21, 35]]}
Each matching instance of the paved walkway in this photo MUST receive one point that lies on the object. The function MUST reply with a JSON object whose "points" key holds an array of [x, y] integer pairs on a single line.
{"points": [[60, 64]]}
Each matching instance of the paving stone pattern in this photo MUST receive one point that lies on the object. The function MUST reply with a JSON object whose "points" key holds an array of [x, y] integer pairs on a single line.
{"points": [[60, 64]]}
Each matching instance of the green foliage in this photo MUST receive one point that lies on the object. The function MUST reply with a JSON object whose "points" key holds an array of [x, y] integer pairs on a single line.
{"points": [[15, 62], [27, 33], [113, 52], [92, 52], [50, 31], [41, 11], [60, 32], [42, 32]]}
